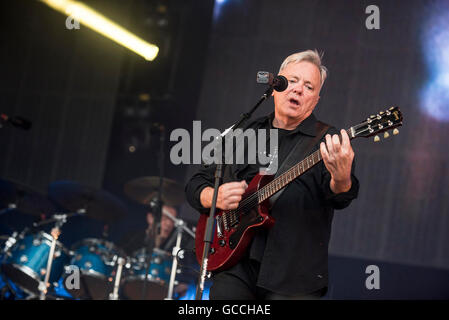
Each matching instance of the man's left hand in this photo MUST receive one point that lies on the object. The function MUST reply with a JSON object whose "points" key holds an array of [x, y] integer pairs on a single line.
{"points": [[338, 157]]}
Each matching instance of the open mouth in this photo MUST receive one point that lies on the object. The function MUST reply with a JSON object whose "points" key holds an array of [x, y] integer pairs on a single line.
{"points": [[294, 101]]}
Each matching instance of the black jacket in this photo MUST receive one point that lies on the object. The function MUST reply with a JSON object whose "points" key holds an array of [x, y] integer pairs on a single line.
{"points": [[294, 252]]}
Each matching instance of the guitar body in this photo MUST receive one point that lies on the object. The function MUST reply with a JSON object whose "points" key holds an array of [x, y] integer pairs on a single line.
{"points": [[230, 245]]}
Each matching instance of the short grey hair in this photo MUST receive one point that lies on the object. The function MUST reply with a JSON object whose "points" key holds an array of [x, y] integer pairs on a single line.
{"points": [[311, 56]]}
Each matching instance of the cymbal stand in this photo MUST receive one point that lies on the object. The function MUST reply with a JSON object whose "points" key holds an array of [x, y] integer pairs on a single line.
{"points": [[180, 227], [174, 268], [156, 206], [118, 275], [55, 232]]}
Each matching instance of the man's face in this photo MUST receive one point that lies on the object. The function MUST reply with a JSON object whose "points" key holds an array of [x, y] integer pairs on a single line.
{"points": [[166, 223], [302, 94]]}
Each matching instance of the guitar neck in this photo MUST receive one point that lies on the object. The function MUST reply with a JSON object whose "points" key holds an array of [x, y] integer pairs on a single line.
{"points": [[383, 121], [291, 174]]}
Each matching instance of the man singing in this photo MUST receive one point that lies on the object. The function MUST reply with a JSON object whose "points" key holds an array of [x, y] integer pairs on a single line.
{"points": [[289, 260]]}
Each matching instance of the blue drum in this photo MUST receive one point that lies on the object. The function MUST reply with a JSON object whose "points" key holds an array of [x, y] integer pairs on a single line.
{"points": [[26, 263], [96, 260], [158, 276]]}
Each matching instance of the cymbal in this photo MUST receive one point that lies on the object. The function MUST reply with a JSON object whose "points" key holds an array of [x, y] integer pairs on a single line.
{"points": [[144, 189], [97, 204], [17, 196]]}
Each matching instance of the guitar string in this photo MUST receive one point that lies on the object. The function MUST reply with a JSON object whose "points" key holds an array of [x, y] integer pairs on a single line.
{"points": [[283, 180], [253, 199]]}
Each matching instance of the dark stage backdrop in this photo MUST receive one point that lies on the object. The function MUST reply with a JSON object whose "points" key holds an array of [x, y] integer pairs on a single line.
{"points": [[65, 82], [401, 214]]}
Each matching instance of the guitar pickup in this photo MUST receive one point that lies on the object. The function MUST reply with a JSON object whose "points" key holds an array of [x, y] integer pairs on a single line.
{"points": [[234, 219]]}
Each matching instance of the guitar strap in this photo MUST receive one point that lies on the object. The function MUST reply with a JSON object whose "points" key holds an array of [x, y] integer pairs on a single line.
{"points": [[301, 149]]}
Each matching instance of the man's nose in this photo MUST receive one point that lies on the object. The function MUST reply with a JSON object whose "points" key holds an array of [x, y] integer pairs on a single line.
{"points": [[298, 87]]}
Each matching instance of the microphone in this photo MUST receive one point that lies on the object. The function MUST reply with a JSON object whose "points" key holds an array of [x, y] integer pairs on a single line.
{"points": [[279, 83], [17, 121]]}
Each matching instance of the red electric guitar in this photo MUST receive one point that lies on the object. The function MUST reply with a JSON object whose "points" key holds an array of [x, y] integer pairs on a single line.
{"points": [[234, 229]]}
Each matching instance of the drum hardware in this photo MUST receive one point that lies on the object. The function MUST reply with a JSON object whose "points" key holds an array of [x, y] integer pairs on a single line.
{"points": [[180, 227], [149, 248], [156, 192], [10, 242], [157, 275], [118, 275], [27, 261], [55, 233], [96, 259]]}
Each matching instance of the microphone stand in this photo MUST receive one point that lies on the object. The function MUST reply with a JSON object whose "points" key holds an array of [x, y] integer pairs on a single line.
{"points": [[208, 235], [156, 208]]}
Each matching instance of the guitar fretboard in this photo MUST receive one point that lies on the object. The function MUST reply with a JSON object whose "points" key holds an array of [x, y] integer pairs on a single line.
{"points": [[288, 176], [231, 217]]}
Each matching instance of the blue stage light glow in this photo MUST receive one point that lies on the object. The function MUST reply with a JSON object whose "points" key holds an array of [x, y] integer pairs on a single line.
{"points": [[217, 8], [434, 96]]}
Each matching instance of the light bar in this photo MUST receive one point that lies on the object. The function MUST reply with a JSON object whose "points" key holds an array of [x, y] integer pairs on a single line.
{"points": [[99, 23]]}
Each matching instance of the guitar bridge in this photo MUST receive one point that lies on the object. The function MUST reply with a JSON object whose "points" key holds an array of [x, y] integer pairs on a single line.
{"points": [[219, 226]]}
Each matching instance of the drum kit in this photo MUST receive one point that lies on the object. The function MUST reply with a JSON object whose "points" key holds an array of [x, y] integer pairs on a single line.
{"points": [[35, 264]]}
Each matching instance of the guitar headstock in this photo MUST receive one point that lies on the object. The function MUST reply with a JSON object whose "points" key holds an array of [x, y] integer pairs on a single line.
{"points": [[384, 121]]}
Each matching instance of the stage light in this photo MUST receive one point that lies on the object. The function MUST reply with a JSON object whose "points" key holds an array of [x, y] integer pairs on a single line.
{"points": [[217, 9], [99, 23], [434, 96]]}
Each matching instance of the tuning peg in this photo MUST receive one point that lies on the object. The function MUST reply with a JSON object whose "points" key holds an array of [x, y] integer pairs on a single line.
{"points": [[376, 139], [386, 134], [395, 131]]}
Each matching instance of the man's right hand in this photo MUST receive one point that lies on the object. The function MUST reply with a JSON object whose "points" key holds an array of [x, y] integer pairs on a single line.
{"points": [[229, 195]]}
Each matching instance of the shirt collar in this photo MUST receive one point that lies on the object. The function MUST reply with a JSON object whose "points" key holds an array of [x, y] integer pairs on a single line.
{"points": [[307, 126]]}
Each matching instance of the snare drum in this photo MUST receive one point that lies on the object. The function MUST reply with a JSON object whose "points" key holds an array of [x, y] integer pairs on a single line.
{"points": [[96, 259], [157, 280], [26, 263]]}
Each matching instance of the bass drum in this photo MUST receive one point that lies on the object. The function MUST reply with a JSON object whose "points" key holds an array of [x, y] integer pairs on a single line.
{"points": [[26, 263]]}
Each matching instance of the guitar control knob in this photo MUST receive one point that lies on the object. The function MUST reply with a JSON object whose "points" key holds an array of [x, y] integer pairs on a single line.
{"points": [[212, 250], [222, 243]]}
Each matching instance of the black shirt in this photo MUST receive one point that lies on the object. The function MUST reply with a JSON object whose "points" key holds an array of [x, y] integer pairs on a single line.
{"points": [[293, 253]]}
